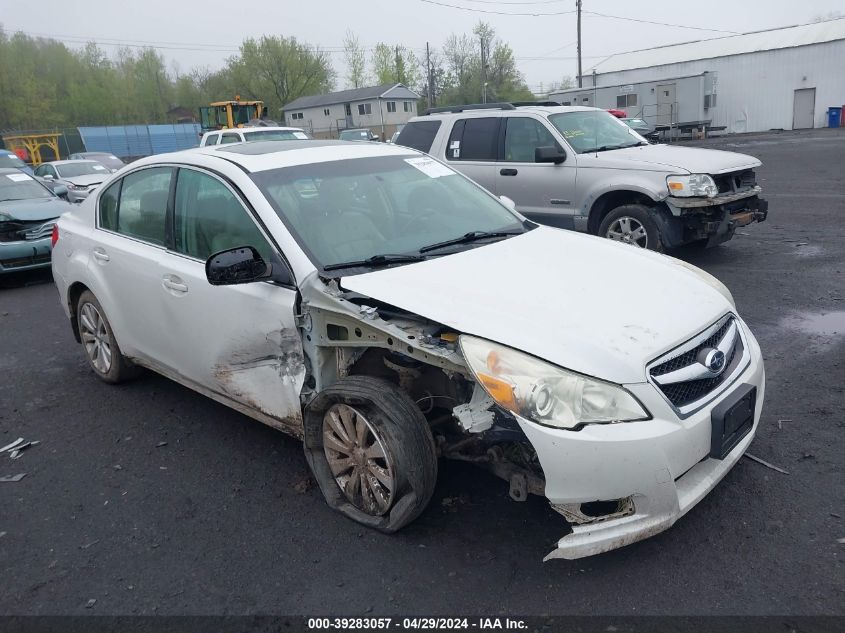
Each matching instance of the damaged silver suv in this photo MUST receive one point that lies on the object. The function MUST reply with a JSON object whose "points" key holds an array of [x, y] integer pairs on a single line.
{"points": [[583, 169], [390, 312]]}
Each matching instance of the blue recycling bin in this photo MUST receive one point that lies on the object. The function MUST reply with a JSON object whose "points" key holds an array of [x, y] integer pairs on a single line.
{"points": [[834, 116]]}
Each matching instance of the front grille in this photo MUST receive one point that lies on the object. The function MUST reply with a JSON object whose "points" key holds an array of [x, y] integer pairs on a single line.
{"points": [[736, 181], [683, 377], [18, 231]]}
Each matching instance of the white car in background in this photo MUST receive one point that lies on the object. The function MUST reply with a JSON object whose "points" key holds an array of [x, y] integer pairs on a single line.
{"points": [[242, 134], [80, 177], [388, 311]]}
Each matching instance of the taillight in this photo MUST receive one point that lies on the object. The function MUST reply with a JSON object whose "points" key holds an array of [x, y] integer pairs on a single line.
{"points": [[55, 236]]}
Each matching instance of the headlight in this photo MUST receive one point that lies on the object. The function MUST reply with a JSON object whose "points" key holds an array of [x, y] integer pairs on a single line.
{"points": [[692, 185], [545, 393], [77, 187]]}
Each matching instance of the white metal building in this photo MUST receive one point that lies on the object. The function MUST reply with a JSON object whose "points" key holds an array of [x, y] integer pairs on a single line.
{"points": [[382, 109], [783, 78]]}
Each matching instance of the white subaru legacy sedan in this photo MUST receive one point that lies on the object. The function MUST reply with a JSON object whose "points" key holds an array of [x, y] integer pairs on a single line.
{"points": [[390, 312]]}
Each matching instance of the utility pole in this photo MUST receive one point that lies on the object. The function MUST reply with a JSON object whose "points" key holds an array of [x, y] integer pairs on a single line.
{"points": [[578, 10], [428, 75], [484, 70]]}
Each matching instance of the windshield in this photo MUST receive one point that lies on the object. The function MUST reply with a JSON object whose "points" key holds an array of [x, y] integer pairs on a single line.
{"points": [[21, 187], [72, 170], [10, 160], [591, 130], [353, 210], [112, 162], [355, 135], [275, 135]]}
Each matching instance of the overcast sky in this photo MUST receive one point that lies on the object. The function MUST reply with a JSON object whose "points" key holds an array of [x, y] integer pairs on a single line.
{"points": [[216, 27]]}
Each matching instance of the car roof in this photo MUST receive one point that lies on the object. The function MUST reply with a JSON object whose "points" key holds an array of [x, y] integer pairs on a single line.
{"points": [[72, 160], [268, 128], [497, 112], [259, 156]]}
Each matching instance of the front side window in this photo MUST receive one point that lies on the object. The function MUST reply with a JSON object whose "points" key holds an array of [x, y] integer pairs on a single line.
{"points": [[348, 211], [45, 170], [211, 139], [595, 130], [474, 139], [209, 218], [142, 210], [523, 135]]}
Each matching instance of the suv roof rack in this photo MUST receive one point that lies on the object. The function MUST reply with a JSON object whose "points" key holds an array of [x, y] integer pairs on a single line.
{"points": [[541, 104], [470, 106]]}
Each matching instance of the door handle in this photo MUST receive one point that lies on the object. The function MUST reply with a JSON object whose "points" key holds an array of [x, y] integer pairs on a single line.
{"points": [[100, 255], [171, 282], [508, 172]]}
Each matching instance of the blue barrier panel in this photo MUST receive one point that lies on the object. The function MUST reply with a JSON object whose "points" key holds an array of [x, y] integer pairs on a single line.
{"points": [[140, 140]]}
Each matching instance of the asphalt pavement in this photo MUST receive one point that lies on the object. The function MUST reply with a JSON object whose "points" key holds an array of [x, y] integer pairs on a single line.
{"points": [[148, 498]]}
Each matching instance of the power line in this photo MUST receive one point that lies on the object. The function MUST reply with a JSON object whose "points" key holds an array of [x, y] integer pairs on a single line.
{"points": [[532, 14], [677, 26]]}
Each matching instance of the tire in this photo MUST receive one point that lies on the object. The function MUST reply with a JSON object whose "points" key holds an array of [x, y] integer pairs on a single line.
{"points": [[642, 229], [98, 342], [395, 488]]}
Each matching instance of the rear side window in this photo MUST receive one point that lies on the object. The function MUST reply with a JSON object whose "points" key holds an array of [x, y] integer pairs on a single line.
{"points": [[230, 138], [474, 139], [108, 207], [211, 139], [142, 210], [419, 135]]}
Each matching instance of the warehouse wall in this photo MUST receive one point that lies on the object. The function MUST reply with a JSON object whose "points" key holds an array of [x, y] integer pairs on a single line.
{"points": [[756, 90]]}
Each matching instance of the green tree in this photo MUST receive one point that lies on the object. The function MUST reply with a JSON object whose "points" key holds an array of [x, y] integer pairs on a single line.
{"points": [[278, 70], [356, 61]]}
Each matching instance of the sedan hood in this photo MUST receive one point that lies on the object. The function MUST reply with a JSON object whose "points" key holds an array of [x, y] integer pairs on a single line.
{"points": [[694, 160], [87, 181], [585, 303], [33, 210]]}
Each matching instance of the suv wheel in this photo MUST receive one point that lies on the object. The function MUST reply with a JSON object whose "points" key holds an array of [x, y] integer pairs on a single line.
{"points": [[101, 350], [371, 451], [632, 224]]}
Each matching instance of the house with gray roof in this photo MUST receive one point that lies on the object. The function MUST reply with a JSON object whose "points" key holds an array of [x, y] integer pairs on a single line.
{"points": [[383, 109]]}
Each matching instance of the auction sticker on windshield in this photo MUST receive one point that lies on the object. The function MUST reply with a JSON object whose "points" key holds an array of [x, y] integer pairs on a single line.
{"points": [[429, 167], [18, 177]]}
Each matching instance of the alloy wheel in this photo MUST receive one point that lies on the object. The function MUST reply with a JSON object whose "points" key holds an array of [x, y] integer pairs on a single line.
{"points": [[95, 337], [358, 459], [628, 230]]}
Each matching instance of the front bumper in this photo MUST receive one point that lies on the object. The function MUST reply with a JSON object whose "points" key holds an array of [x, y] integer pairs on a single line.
{"points": [[24, 255], [661, 467], [713, 219]]}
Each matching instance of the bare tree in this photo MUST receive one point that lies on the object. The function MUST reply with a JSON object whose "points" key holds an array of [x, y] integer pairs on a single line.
{"points": [[356, 61]]}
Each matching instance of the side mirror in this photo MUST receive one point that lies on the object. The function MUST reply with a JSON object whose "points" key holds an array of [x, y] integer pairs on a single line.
{"points": [[239, 265], [48, 177], [510, 204], [549, 154], [60, 191]]}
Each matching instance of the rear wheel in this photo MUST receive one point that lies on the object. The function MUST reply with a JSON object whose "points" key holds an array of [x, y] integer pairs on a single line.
{"points": [[371, 451], [632, 224], [101, 350]]}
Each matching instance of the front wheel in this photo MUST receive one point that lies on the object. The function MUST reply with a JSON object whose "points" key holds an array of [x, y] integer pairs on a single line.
{"points": [[632, 224], [371, 451]]}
